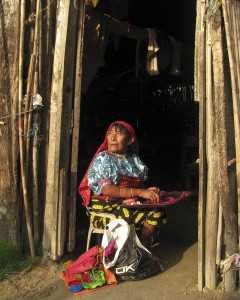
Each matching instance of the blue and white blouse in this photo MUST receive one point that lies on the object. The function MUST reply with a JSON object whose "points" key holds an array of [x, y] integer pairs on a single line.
{"points": [[107, 167]]}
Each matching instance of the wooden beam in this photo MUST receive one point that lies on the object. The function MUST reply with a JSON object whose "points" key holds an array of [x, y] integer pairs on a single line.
{"points": [[21, 134], [200, 95], [76, 128], [212, 203], [53, 171]]}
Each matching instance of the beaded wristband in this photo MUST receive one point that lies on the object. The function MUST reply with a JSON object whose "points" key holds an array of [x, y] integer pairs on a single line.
{"points": [[139, 192], [125, 190], [134, 192], [122, 192]]}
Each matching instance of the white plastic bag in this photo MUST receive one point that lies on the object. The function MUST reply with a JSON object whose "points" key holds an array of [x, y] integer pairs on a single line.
{"points": [[115, 233]]}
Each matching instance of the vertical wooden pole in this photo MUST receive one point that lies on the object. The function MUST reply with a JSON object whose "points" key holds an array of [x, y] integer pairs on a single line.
{"points": [[36, 128], [76, 128], [30, 87], [200, 95], [67, 120], [21, 136], [230, 8], [48, 25], [212, 191], [40, 46], [53, 172]]}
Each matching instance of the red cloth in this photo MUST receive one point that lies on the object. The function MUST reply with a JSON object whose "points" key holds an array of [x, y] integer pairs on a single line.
{"points": [[83, 189], [72, 279], [85, 262]]}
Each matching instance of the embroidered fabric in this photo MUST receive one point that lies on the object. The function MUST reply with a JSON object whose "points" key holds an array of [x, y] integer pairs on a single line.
{"points": [[167, 199]]}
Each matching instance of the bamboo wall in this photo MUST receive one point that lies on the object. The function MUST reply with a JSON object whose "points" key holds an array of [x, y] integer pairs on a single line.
{"points": [[217, 90]]}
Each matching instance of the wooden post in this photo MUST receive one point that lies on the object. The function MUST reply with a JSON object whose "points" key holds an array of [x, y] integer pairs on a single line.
{"points": [[236, 25], [21, 136], [76, 128], [229, 8], [48, 20], [200, 95], [212, 192], [36, 126], [53, 172]]}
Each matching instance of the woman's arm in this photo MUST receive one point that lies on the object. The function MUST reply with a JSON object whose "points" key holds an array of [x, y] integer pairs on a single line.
{"points": [[114, 191]]}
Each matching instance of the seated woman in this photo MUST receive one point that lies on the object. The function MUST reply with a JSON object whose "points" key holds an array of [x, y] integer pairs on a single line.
{"points": [[115, 174]]}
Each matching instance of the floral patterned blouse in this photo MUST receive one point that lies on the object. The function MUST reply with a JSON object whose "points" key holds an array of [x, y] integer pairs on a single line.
{"points": [[107, 167]]}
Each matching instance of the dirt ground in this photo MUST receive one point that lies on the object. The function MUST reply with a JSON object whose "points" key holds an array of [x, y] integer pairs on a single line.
{"points": [[177, 281]]}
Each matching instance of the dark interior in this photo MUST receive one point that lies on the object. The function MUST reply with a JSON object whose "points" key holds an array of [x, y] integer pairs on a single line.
{"points": [[161, 108]]}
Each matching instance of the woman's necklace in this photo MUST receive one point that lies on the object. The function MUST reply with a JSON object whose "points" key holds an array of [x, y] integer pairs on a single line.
{"points": [[118, 155]]}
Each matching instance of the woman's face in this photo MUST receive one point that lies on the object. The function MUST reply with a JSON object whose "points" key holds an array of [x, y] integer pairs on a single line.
{"points": [[117, 140]]}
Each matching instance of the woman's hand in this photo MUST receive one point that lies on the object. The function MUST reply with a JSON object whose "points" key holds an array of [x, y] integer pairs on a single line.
{"points": [[151, 194]]}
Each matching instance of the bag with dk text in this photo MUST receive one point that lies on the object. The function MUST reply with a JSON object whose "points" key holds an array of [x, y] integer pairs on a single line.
{"points": [[124, 254]]}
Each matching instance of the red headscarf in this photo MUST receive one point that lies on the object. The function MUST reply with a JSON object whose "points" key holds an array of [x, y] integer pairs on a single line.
{"points": [[83, 189]]}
